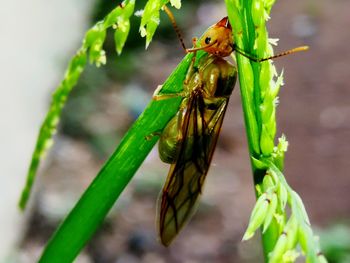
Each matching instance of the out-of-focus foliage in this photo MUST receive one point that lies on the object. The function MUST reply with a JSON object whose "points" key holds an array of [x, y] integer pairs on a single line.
{"points": [[92, 47], [335, 243], [84, 100]]}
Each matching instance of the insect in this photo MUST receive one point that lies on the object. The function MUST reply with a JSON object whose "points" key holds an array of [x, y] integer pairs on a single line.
{"points": [[188, 141]]}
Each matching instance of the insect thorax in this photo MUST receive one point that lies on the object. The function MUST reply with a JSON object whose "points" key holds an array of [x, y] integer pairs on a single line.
{"points": [[218, 77], [215, 79]]}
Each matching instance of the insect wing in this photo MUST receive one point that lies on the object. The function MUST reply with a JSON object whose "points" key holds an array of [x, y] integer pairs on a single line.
{"points": [[200, 130]]}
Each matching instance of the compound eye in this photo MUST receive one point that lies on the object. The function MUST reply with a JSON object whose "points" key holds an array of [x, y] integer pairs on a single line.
{"points": [[207, 40]]}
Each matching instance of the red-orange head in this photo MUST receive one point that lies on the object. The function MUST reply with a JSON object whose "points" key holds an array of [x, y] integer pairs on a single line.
{"points": [[218, 40]]}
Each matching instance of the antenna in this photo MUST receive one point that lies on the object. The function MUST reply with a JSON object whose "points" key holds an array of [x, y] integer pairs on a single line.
{"points": [[284, 53], [177, 30], [234, 47]]}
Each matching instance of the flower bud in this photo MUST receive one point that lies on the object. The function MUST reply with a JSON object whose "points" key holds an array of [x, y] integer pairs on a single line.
{"points": [[290, 256], [258, 215], [176, 3], [301, 207], [266, 142], [283, 196], [265, 77], [268, 183], [270, 212], [258, 12], [303, 239], [291, 229], [259, 164], [279, 249], [121, 34]]}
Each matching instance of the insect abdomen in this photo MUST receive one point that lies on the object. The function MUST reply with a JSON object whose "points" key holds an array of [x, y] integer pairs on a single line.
{"points": [[170, 140]]}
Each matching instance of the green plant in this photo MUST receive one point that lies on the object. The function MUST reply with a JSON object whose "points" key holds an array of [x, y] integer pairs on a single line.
{"points": [[259, 89], [281, 231]]}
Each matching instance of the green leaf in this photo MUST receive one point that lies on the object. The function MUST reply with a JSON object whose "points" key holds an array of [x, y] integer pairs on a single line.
{"points": [[93, 206]]}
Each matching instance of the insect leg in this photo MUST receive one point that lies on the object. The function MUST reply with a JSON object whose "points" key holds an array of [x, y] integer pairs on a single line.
{"points": [[190, 70], [153, 134], [157, 96], [168, 96], [221, 103]]}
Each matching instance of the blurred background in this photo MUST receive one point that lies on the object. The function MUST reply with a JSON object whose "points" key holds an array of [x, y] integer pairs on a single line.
{"points": [[37, 39]]}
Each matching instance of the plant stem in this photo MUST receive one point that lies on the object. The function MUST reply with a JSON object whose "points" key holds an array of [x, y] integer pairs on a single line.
{"points": [[249, 78]]}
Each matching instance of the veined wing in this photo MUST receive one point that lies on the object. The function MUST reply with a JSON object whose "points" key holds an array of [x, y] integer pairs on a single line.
{"points": [[200, 130]]}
